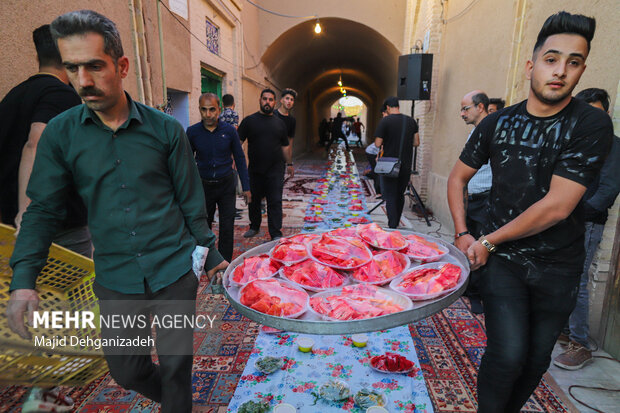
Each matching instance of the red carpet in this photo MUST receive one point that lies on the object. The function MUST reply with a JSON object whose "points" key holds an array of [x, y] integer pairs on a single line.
{"points": [[449, 346]]}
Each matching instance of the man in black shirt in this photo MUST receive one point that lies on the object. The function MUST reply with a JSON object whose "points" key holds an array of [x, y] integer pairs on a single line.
{"points": [[393, 129], [284, 112], [267, 142], [337, 133], [544, 152], [24, 112]]}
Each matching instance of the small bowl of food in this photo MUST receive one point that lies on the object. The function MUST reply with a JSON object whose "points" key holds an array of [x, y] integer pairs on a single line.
{"points": [[305, 344]]}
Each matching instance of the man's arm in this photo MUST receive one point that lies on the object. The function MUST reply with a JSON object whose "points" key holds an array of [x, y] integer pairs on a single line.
{"points": [[25, 168], [416, 139], [562, 198], [189, 193], [609, 183], [47, 189], [457, 198], [242, 167]]}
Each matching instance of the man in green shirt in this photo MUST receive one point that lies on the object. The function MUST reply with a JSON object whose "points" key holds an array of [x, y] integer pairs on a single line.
{"points": [[134, 169]]}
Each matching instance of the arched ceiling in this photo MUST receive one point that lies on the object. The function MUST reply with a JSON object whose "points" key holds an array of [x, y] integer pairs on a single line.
{"points": [[309, 62]]}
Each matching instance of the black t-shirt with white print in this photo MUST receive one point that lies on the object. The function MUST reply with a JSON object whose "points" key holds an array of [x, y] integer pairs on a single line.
{"points": [[525, 151]]}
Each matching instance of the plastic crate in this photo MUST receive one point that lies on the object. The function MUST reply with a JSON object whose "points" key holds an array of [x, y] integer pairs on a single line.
{"points": [[65, 283]]}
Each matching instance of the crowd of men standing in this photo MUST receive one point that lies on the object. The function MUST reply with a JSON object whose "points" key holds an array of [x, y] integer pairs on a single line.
{"points": [[530, 189]]}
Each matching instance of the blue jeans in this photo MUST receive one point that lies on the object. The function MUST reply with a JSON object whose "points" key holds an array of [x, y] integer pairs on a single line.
{"points": [[578, 321], [525, 311]]}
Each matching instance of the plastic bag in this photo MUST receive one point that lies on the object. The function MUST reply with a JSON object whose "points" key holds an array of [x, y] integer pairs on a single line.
{"points": [[355, 302], [428, 281], [288, 252], [274, 297], [341, 253], [421, 249], [343, 232], [384, 267], [253, 268], [374, 235], [313, 275]]}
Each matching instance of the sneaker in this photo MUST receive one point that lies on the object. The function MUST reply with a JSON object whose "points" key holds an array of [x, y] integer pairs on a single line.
{"points": [[575, 357], [47, 400], [250, 233], [564, 339]]}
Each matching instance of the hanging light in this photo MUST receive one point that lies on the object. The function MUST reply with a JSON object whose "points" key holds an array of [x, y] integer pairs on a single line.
{"points": [[317, 26], [340, 81]]}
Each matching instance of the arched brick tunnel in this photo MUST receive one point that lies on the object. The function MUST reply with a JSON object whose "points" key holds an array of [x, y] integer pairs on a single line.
{"points": [[312, 64]]}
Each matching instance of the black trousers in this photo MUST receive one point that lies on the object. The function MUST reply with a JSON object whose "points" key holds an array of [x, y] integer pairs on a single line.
{"points": [[525, 311], [221, 193], [393, 191], [335, 136], [267, 185], [372, 160], [474, 218], [170, 382]]}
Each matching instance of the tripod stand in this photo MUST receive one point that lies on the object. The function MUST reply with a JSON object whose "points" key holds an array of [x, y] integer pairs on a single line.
{"points": [[414, 198]]}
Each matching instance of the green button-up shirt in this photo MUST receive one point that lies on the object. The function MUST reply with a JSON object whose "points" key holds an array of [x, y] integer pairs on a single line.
{"points": [[140, 184]]}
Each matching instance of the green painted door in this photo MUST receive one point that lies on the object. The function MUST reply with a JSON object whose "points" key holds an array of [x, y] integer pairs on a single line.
{"points": [[210, 82]]}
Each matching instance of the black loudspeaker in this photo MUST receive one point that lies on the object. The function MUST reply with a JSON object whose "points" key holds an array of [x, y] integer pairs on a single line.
{"points": [[414, 76]]}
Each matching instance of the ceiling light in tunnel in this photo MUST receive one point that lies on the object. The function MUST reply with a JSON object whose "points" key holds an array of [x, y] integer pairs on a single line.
{"points": [[317, 27], [340, 81]]}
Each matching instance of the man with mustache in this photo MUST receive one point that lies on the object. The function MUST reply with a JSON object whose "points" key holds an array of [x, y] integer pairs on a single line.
{"points": [[267, 146], [544, 152], [133, 167]]}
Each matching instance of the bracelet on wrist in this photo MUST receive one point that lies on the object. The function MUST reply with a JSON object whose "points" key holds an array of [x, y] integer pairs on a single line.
{"points": [[460, 234]]}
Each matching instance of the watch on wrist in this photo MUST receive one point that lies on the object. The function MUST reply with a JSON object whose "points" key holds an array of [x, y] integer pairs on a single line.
{"points": [[289, 164], [490, 247]]}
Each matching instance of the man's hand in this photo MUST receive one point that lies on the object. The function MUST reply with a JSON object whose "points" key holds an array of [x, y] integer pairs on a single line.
{"points": [[22, 302], [290, 170], [220, 267], [464, 242], [18, 221], [477, 255], [247, 197]]}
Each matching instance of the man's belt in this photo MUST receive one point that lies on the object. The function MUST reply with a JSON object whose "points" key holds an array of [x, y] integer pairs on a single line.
{"points": [[218, 180], [478, 196]]}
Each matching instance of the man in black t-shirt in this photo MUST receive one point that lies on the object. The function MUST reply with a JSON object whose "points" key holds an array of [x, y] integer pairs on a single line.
{"points": [[284, 112], [544, 152], [337, 133], [267, 142], [24, 112], [393, 129]]}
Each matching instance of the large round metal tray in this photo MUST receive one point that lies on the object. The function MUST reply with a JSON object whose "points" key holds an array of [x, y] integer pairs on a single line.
{"points": [[311, 324]]}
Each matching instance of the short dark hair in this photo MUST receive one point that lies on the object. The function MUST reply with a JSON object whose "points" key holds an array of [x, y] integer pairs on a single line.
{"points": [[267, 90], [47, 52], [209, 95], [564, 22], [593, 95], [88, 21], [289, 91], [499, 102], [479, 98], [391, 102], [228, 100]]}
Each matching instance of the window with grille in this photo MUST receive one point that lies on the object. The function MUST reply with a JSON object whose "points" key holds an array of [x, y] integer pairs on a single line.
{"points": [[213, 37]]}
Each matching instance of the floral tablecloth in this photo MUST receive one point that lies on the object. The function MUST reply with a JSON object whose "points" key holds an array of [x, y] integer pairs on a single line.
{"points": [[332, 357]]}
